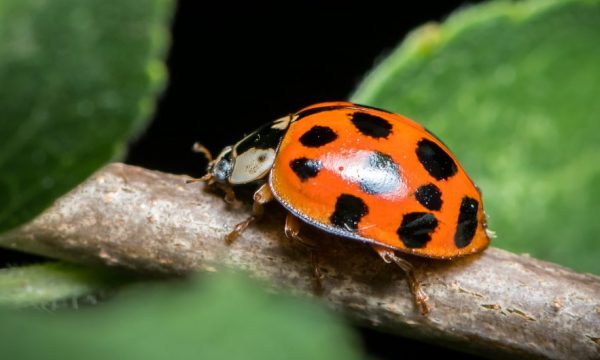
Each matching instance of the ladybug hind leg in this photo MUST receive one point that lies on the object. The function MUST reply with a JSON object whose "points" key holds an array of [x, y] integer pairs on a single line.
{"points": [[262, 196], [419, 295], [292, 231]]}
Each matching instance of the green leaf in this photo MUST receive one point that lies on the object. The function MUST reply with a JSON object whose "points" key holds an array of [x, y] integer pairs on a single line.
{"points": [[52, 282], [221, 317], [79, 78], [513, 89]]}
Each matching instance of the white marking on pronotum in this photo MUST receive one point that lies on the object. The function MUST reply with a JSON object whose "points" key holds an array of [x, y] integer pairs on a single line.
{"points": [[282, 123], [251, 165]]}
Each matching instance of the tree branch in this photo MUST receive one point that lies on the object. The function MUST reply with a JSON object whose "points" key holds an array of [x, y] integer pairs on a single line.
{"points": [[496, 304]]}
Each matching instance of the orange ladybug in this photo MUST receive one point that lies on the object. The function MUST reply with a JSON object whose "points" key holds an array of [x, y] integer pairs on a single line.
{"points": [[360, 173]]}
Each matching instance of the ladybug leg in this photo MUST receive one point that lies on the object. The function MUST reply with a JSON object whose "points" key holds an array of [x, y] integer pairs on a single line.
{"points": [[210, 183], [292, 231], [262, 196], [230, 195], [226, 188], [206, 178], [419, 296]]}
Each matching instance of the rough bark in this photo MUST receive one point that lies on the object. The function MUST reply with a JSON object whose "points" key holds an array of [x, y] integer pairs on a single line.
{"points": [[496, 304]]}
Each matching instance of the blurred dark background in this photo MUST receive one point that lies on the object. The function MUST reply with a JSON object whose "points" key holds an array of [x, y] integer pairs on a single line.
{"points": [[234, 67]]}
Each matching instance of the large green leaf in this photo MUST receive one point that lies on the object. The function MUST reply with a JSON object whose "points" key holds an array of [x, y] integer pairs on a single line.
{"points": [[222, 317], [513, 88], [77, 79]]}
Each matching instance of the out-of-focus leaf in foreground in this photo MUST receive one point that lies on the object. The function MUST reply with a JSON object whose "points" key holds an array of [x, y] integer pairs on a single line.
{"points": [[220, 317], [77, 80], [51, 283], [513, 89]]}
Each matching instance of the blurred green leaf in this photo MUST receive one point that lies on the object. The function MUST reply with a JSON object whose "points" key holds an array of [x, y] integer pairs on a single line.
{"points": [[513, 89], [78, 79], [52, 282], [221, 317]]}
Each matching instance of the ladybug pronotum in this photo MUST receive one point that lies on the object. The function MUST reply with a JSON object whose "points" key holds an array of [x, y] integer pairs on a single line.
{"points": [[360, 173]]}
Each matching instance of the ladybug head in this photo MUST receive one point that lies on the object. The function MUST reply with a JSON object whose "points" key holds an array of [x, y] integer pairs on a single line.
{"points": [[221, 167], [251, 158], [231, 167]]}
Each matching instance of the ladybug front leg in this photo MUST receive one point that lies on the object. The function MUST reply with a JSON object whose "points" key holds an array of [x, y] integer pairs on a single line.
{"points": [[292, 231], [262, 196], [419, 296]]}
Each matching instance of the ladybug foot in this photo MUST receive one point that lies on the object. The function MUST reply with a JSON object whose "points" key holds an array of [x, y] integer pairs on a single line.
{"points": [[419, 296], [238, 229]]}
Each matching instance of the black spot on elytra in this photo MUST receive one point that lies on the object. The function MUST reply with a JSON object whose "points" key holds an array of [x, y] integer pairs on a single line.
{"points": [[416, 228], [436, 161], [381, 176], [429, 196], [318, 136], [371, 125], [305, 168], [467, 222], [349, 209]]}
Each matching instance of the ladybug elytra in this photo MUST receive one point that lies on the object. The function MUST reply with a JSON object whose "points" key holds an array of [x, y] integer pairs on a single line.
{"points": [[360, 173]]}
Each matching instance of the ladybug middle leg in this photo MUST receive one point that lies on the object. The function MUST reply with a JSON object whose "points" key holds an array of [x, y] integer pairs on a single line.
{"points": [[419, 295], [262, 196], [292, 231]]}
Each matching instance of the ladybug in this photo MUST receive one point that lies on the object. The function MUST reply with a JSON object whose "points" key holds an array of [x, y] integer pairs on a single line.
{"points": [[360, 173]]}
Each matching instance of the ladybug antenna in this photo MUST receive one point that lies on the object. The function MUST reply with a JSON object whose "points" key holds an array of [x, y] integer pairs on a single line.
{"points": [[199, 148]]}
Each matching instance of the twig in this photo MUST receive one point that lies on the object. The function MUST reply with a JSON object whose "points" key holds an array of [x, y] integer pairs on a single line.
{"points": [[497, 304]]}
